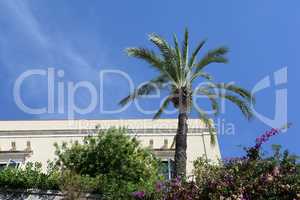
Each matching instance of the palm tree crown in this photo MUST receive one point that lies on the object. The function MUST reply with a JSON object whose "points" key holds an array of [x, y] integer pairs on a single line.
{"points": [[178, 70]]}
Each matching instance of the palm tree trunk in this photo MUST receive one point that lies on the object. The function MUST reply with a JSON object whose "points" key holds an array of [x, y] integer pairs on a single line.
{"points": [[181, 145]]}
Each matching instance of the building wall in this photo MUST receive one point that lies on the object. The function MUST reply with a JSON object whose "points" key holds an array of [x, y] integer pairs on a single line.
{"points": [[43, 134]]}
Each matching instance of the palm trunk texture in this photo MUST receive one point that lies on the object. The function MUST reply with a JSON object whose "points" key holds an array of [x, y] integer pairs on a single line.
{"points": [[181, 145]]}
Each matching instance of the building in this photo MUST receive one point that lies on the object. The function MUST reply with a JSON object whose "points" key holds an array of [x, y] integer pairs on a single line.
{"points": [[31, 141]]}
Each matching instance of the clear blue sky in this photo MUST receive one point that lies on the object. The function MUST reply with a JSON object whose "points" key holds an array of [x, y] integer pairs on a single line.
{"points": [[84, 37]]}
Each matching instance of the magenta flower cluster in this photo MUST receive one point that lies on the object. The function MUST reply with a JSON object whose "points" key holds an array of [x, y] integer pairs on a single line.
{"points": [[265, 137], [232, 160], [138, 195], [159, 186]]}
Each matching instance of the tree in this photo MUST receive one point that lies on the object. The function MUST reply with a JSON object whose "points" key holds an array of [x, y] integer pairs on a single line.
{"points": [[177, 72]]}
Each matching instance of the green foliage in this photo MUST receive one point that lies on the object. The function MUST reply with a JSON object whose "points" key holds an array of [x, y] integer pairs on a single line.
{"points": [[204, 169], [30, 177], [112, 161]]}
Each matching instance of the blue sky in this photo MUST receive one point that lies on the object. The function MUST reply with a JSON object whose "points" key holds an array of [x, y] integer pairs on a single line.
{"points": [[84, 37]]}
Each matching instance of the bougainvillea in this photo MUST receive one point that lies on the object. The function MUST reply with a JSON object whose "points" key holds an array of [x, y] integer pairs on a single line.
{"points": [[251, 177]]}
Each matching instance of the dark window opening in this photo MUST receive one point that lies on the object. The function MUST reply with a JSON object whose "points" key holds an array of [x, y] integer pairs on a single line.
{"points": [[167, 169]]}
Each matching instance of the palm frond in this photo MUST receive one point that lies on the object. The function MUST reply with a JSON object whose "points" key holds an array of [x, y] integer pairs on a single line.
{"points": [[201, 74], [242, 92], [185, 47], [150, 57], [162, 45], [145, 89], [147, 55], [234, 89], [206, 120], [168, 54], [195, 53], [163, 106], [243, 105], [178, 57], [213, 56], [212, 98]]}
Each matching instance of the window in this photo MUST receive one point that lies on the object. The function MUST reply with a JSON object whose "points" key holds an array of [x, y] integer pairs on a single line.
{"points": [[2, 165], [10, 163], [167, 169], [151, 143], [13, 158]]}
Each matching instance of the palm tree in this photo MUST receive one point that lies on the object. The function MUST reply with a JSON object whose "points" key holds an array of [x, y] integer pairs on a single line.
{"points": [[177, 72]]}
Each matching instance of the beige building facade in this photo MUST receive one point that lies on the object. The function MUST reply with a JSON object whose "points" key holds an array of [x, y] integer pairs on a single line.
{"points": [[33, 141]]}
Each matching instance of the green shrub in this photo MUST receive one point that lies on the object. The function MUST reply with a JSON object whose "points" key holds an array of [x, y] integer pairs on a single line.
{"points": [[29, 177], [116, 163]]}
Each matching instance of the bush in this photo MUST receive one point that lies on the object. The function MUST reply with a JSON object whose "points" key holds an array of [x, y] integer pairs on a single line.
{"points": [[74, 186], [273, 178], [269, 178], [116, 163], [252, 177], [30, 177]]}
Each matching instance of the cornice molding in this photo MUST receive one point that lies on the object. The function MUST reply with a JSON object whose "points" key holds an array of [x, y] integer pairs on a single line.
{"points": [[86, 132]]}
